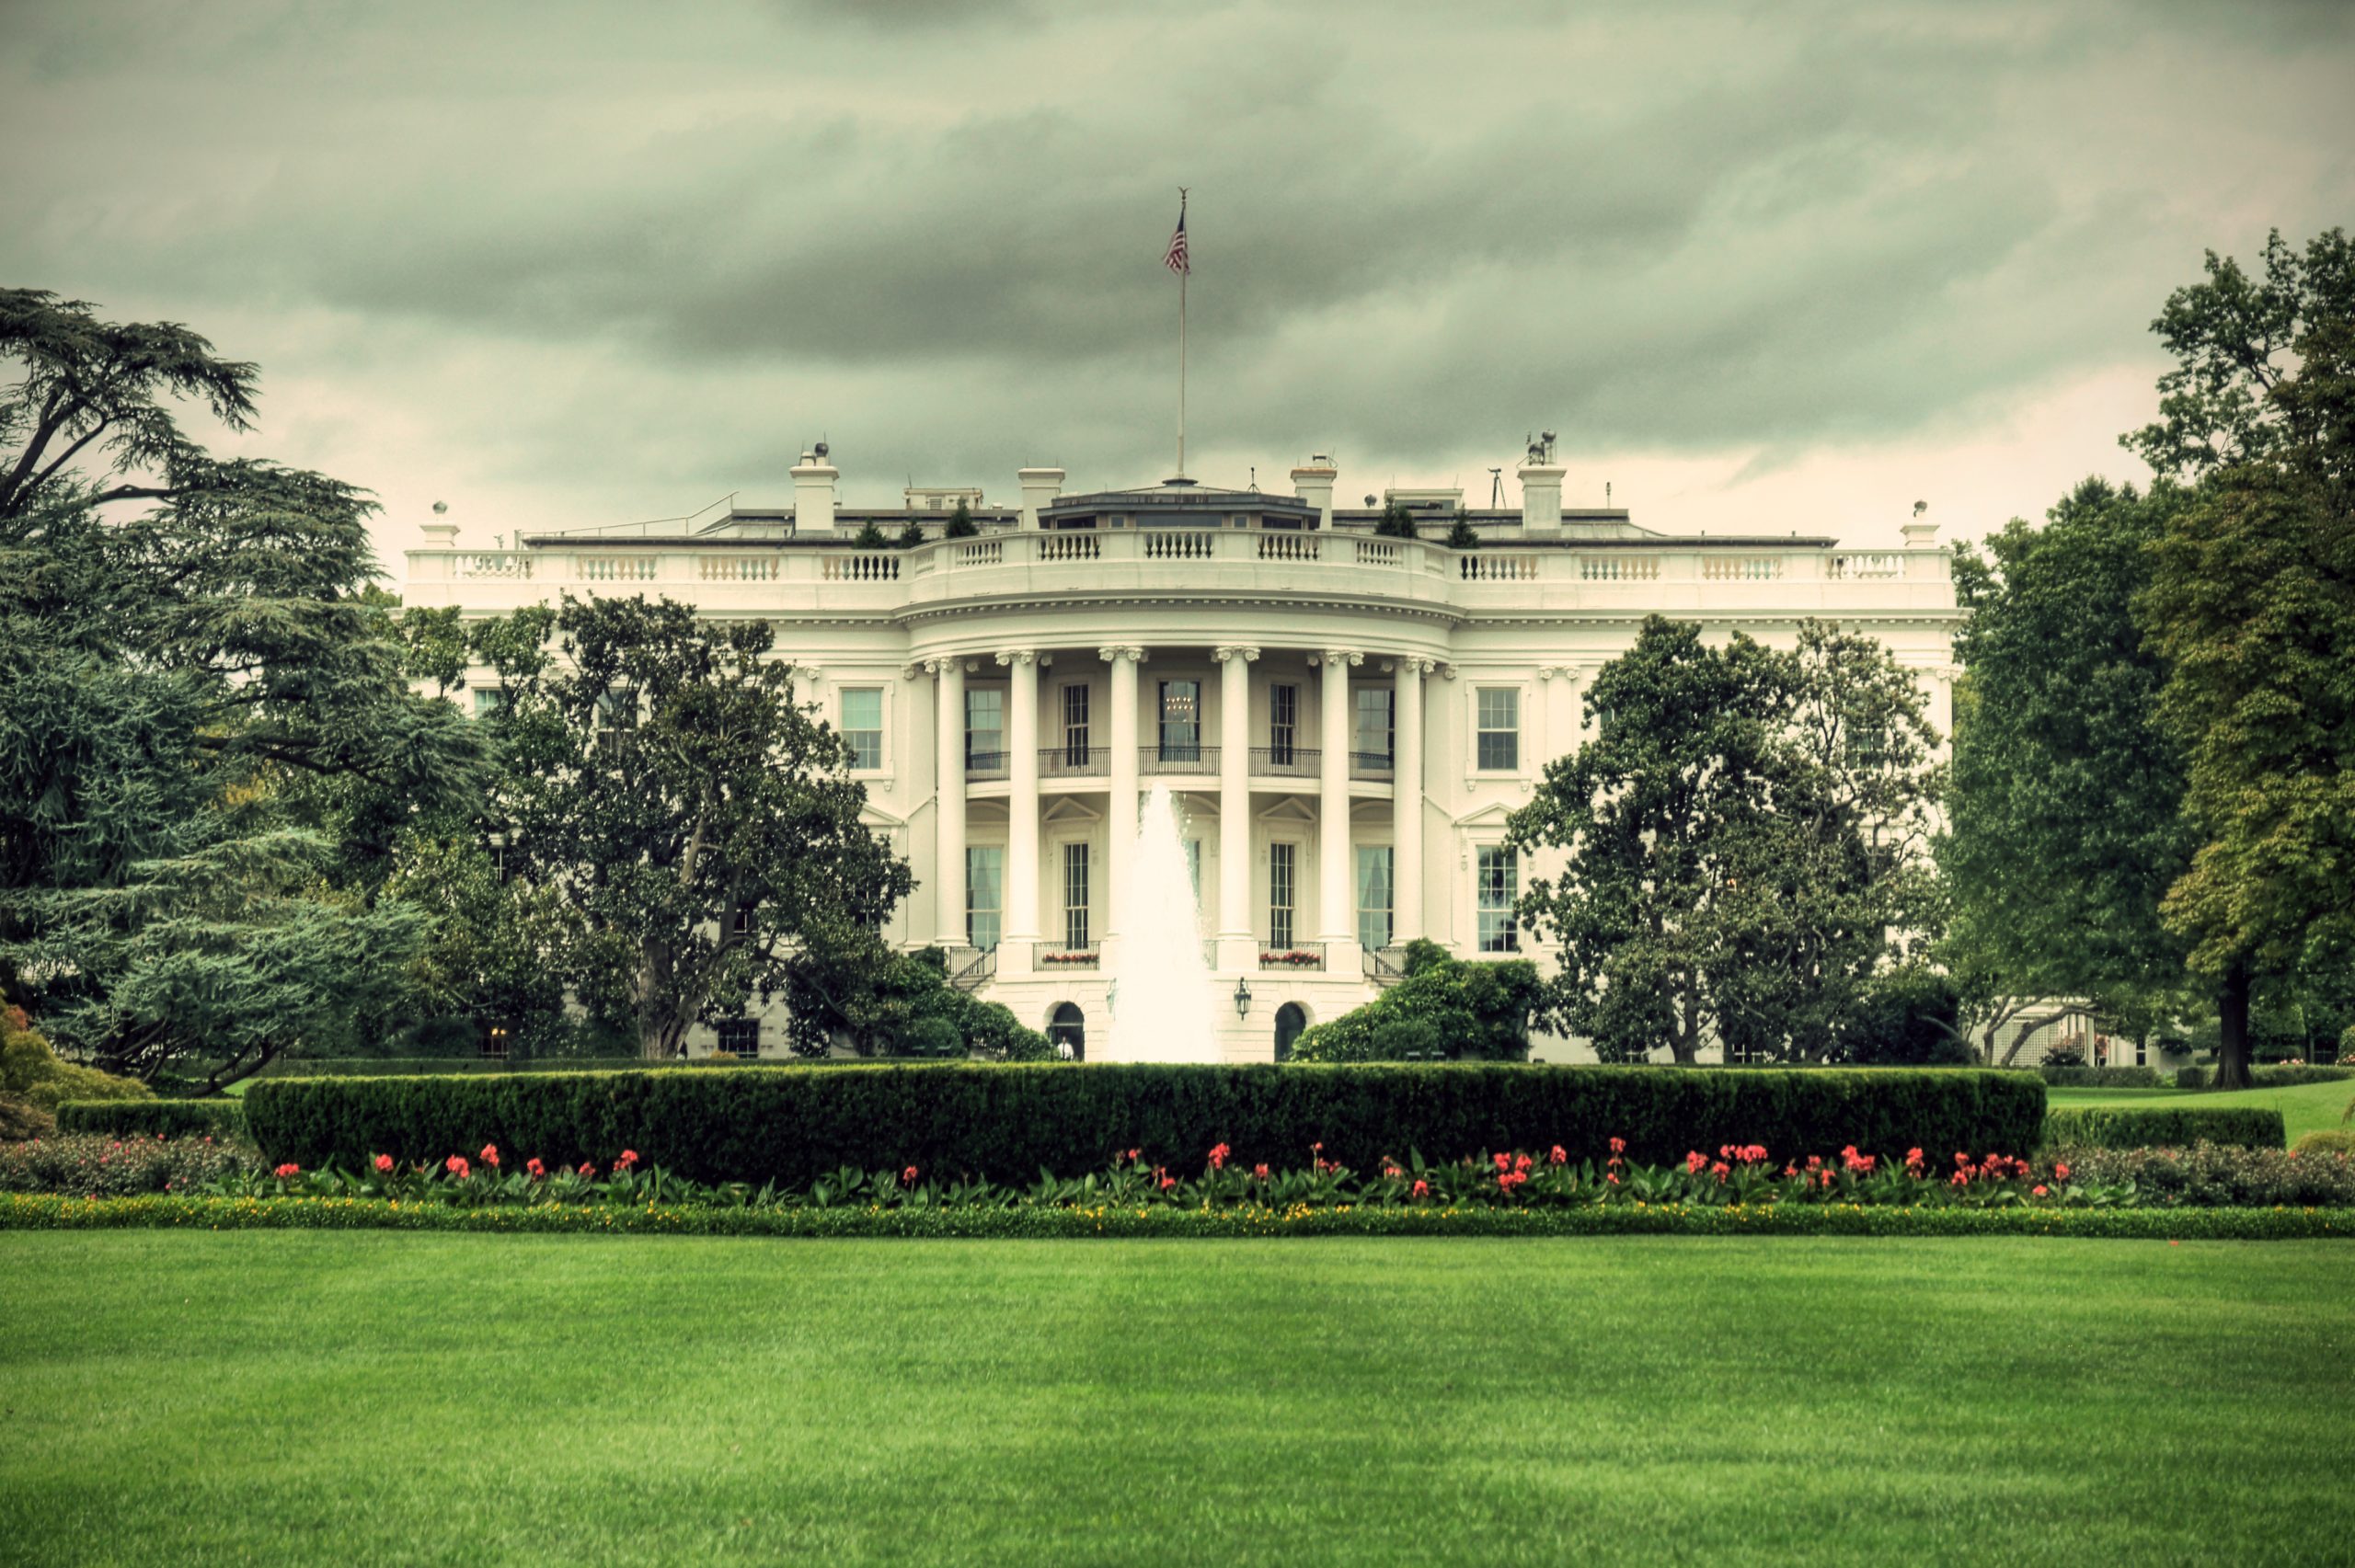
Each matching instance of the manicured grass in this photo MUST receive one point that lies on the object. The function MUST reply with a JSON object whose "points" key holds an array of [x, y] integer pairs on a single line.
{"points": [[306, 1396], [2304, 1108]]}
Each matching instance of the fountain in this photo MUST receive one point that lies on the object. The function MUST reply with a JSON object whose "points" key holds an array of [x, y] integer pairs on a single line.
{"points": [[1160, 989]]}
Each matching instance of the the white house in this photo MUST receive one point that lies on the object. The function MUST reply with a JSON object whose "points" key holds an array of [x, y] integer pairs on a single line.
{"points": [[1346, 718]]}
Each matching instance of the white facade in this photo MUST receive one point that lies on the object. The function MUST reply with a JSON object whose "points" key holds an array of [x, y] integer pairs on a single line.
{"points": [[1347, 719]]}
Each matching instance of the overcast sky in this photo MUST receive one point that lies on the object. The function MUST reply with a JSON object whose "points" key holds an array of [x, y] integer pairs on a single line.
{"points": [[1765, 267]]}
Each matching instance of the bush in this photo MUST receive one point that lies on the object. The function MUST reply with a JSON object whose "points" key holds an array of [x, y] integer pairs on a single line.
{"points": [[2327, 1140], [933, 1038], [2217, 1175], [2101, 1077], [32, 1073], [2134, 1127], [1472, 1012], [2192, 1078], [1906, 1018], [407, 1067], [97, 1165], [1007, 1123], [2275, 1076], [154, 1118]]}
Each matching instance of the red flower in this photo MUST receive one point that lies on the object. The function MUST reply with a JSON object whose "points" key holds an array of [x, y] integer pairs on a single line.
{"points": [[457, 1165], [287, 1170], [1168, 1182], [1504, 1162], [2041, 1190], [1558, 1155], [1135, 1155], [586, 1169], [909, 1175], [2060, 1173], [1693, 1162], [1961, 1179], [384, 1162], [1720, 1170], [1618, 1145], [628, 1159], [490, 1155], [1218, 1156], [535, 1168], [1914, 1161], [1260, 1171]]}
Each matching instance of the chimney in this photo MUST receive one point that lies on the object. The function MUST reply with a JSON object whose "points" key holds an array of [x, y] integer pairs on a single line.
{"points": [[440, 533], [1541, 496], [1920, 533], [1313, 481], [813, 493], [1039, 488]]}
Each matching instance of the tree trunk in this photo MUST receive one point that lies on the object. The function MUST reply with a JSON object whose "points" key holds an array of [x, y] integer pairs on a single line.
{"points": [[2232, 1039]]}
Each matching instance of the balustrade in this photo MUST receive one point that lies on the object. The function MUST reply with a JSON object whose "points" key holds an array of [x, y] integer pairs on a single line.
{"points": [[1288, 546], [1846, 568], [615, 569], [860, 568], [1069, 547], [1740, 568], [503, 564], [737, 568], [1479, 565], [1178, 547], [1618, 568]]}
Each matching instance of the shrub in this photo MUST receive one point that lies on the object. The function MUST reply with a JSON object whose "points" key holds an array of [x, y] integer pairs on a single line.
{"points": [[2136, 1126], [154, 1118], [96, 1165], [1906, 1018], [2272, 1077], [933, 1038], [32, 1073], [2101, 1077], [2217, 1175], [2192, 1078], [2327, 1140], [1407, 1039], [409, 1067], [1477, 1011], [1007, 1123]]}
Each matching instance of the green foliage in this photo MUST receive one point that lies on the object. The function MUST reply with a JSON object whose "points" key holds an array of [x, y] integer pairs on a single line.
{"points": [[1395, 522], [697, 822], [909, 536], [1009, 1123], [1461, 534], [2217, 1175], [2101, 1077], [1744, 836], [854, 988], [870, 537], [2280, 1077], [2326, 1140], [498, 949], [31, 1074], [402, 1067], [1904, 1017], [154, 1118], [932, 1038], [960, 522], [2141, 1127], [1443, 1010], [105, 1164]]}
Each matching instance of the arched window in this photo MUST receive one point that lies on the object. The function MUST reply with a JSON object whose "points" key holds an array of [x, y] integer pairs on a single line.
{"points": [[1067, 1032], [1289, 1021]]}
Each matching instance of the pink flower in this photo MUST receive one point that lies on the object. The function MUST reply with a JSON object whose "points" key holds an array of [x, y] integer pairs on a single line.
{"points": [[1720, 1170], [385, 1164], [535, 1168], [1693, 1162], [628, 1159], [1422, 1188], [457, 1165], [2041, 1190], [909, 1175], [1260, 1171], [1914, 1161], [1504, 1162], [2060, 1173], [1618, 1145], [1167, 1182], [1135, 1155], [1218, 1156], [288, 1170], [586, 1169], [1561, 1156], [490, 1155]]}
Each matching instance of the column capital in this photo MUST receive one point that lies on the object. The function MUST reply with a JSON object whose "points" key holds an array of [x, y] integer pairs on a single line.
{"points": [[1337, 655], [1025, 656], [1235, 650], [1409, 665], [909, 671], [1115, 654]]}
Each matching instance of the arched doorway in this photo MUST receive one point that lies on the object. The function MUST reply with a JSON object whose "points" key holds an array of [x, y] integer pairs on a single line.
{"points": [[1067, 1032], [1290, 1021]]}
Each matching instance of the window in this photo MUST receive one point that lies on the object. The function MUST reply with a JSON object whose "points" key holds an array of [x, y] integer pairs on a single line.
{"points": [[740, 1036], [1075, 895], [1499, 728], [496, 1038], [1374, 869], [1074, 726], [1281, 859], [1283, 724], [490, 699], [1067, 1032], [984, 727], [984, 880], [1377, 733], [616, 716], [1182, 721], [1499, 891], [863, 726], [1194, 868], [740, 923]]}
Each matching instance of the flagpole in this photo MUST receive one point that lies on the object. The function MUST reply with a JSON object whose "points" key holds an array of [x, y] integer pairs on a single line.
{"points": [[1182, 277]]}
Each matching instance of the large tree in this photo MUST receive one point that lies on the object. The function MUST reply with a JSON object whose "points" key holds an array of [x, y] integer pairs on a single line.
{"points": [[661, 778], [198, 704], [1741, 843], [2065, 827], [2252, 605]]}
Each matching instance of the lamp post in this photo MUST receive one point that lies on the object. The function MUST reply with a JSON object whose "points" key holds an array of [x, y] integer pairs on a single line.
{"points": [[1243, 999]]}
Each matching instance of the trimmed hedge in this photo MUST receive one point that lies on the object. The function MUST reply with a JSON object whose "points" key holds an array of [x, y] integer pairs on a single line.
{"points": [[152, 1119], [2137, 1126], [46, 1211], [409, 1067], [1007, 1123], [2101, 1077], [2274, 1077]]}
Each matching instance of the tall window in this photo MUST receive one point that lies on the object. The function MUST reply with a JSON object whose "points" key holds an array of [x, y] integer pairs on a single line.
{"points": [[1374, 869], [1075, 895], [1281, 863], [984, 882], [1182, 721], [1194, 868], [490, 700], [1283, 724], [1499, 723], [739, 1036], [617, 717], [1500, 890], [863, 726], [1377, 733], [1074, 726], [984, 727]]}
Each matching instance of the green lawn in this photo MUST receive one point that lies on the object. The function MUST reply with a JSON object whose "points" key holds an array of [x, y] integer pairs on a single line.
{"points": [[308, 1397], [2304, 1108]]}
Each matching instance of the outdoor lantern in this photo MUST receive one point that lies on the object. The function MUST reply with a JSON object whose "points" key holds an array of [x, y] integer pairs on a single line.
{"points": [[1243, 999]]}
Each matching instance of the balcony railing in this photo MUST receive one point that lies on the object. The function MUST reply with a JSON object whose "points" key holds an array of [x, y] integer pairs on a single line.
{"points": [[987, 764], [1075, 761], [1372, 765], [1177, 758], [1286, 761], [1070, 955], [1296, 956]]}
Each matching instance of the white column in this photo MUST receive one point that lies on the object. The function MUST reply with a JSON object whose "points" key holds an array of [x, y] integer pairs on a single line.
{"points": [[1337, 927], [1021, 930], [1407, 823], [1121, 805], [1234, 943], [949, 868]]}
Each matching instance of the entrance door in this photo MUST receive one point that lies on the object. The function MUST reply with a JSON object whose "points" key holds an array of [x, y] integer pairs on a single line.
{"points": [[1068, 1032], [1289, 1021]]}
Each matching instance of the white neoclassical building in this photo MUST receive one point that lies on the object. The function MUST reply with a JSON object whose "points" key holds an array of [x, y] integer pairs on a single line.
{"points": [[1346, 719]]}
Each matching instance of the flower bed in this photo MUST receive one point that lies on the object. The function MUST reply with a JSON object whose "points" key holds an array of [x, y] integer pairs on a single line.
{"points": [[2160, 1126], [97, 1165]]}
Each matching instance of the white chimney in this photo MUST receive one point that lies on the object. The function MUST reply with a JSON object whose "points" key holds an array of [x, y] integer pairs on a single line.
{"points": [[1039, 488], [1919, 531], [440, 534], [1313, 481], [814, 494], [1541, 496]]}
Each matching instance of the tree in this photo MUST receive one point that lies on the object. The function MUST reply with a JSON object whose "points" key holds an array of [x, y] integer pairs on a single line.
{"points": [[661, 778], [203, 722], [909, 536], [1442, 1008], [846, 985], [2065, 827], [1395, 522], [1461, 534], [2252, 605], [1742, 841], [960, 522]]}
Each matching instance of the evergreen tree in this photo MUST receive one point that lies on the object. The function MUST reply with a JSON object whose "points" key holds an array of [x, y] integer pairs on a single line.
{"points": [[960, 522]]}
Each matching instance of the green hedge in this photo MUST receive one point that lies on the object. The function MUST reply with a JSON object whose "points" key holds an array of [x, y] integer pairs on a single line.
{"points": [[2101, 1077], [1005, 1123], [2134, 1127], [149, 1118], [2267, 1077], [407, 1067]]}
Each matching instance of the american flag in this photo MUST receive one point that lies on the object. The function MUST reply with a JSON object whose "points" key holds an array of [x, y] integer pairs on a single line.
{"points": [[1176, 260]]}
